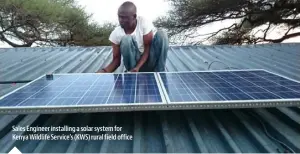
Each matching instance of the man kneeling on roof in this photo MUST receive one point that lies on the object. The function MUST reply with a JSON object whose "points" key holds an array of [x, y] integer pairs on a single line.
{"points": [[142, 46]]}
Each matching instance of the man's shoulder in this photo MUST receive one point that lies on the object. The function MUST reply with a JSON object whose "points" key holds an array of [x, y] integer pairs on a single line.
{"points": [[118, 29], [141, 18], [116, 35], [144, 21]]}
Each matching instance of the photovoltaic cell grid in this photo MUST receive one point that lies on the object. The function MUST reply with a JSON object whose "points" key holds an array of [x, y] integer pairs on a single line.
{"points": [[228, 86], [137, 88], [87, 89], [76, 90]]}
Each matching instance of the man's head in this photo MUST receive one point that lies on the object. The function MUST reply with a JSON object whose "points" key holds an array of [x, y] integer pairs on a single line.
{"points": [[127, 15]]}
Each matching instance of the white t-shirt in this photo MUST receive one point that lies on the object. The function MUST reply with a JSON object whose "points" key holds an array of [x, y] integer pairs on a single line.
{"points": [[143, 27]]}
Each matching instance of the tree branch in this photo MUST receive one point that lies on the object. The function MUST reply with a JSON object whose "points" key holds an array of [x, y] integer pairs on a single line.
{"points": [[283, 38], [214, 33], [290, 21], [2, 37], [267, 30], [9, 28]]}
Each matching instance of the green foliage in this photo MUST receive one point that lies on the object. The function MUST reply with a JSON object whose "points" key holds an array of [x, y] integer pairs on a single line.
{"points": [[93, 35], [55, 22]]}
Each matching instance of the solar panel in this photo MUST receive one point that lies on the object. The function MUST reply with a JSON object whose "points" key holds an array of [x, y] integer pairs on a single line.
{"points": [[229, 89], [85, 92], [72, 93]]}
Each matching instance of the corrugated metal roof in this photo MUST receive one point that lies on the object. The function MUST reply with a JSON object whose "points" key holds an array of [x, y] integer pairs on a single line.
{"points": [[232, 130]]}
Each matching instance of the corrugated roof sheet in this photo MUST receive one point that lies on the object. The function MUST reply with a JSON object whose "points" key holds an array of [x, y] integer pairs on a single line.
{"points": [[232, 130]]}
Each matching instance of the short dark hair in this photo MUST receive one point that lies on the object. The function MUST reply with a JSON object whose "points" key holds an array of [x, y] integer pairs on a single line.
{"points": [[129, 6]]}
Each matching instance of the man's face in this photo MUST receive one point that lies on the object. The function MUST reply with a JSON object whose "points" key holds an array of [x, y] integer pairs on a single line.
{"points": [[126, 18]]}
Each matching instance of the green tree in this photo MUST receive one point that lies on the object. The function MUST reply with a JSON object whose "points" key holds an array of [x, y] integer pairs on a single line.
{"points": [[49, 22], [91, 35], [255, 19]]}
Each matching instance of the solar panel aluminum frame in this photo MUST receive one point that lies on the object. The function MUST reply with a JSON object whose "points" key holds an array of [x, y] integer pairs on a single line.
{"points": [[229, 103], [234, 104], [165, 105], [85, 108], [82, 108], [228, 70]]}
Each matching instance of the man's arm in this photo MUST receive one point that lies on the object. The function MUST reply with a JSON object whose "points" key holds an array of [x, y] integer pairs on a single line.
{"points": [[147, 44], [116, 60]]}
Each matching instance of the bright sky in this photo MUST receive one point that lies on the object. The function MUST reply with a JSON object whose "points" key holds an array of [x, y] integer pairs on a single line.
{"points": [[106, 11]]}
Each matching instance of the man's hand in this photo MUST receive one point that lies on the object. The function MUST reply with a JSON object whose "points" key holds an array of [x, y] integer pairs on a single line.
{"points": [[101, 71], [147, 43], [135, 69], [115, 62]]}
